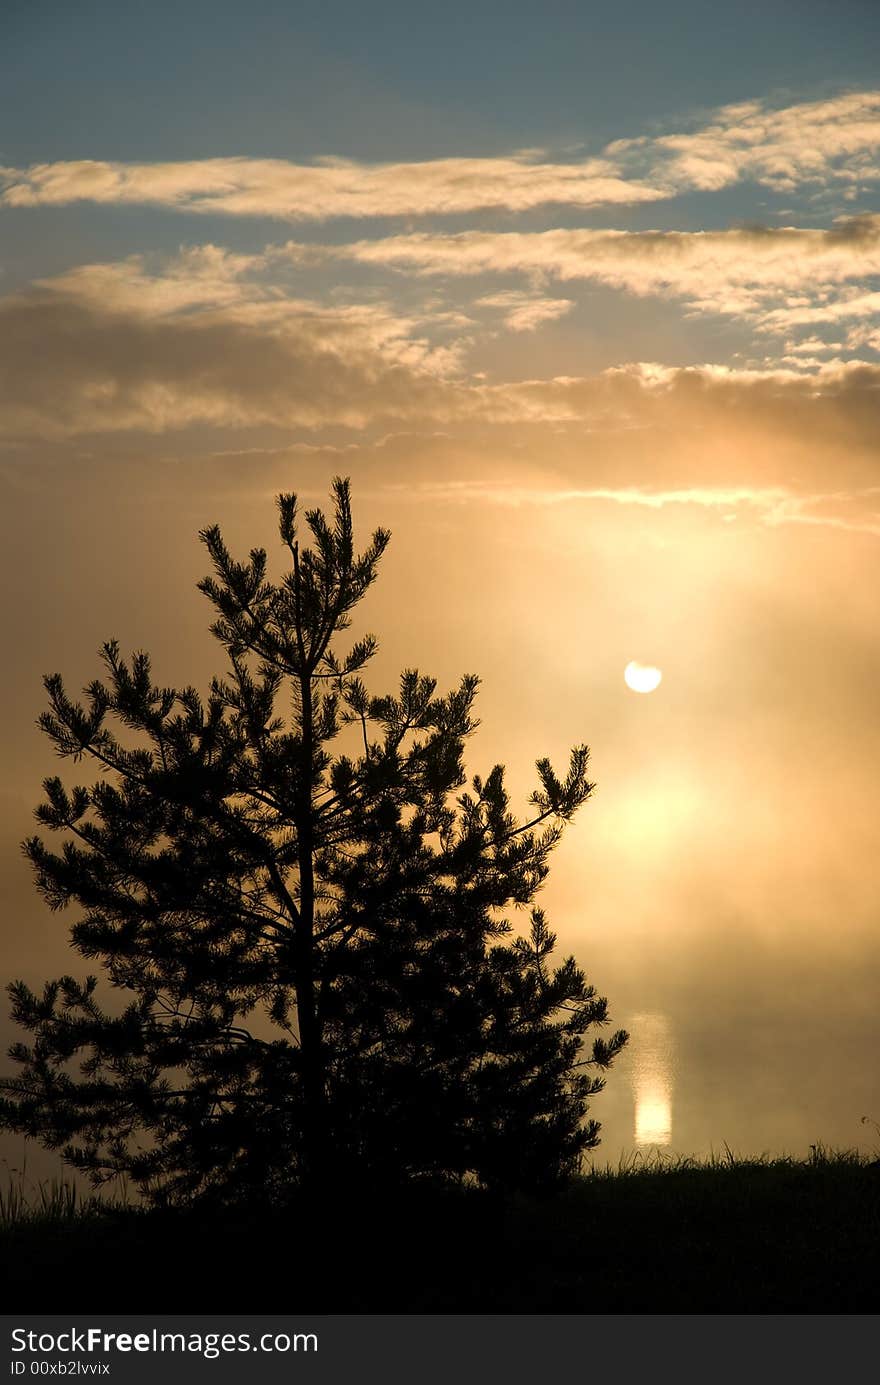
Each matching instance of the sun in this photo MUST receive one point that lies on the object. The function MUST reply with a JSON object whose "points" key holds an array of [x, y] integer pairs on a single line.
{"points": [[642, 678]]}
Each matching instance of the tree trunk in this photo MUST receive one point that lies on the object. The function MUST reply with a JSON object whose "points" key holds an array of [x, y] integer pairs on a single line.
{"points": [[311, 1056]]}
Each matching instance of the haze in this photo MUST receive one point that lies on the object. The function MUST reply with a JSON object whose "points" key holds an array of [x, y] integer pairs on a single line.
{"points": [[589, 314]]}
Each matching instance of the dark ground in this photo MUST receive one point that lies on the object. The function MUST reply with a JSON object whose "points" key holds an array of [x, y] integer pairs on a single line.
{"points": [[738, 1237]]}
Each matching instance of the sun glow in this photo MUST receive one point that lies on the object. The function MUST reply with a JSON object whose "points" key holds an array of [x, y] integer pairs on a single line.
{"points": [[642, 678]]}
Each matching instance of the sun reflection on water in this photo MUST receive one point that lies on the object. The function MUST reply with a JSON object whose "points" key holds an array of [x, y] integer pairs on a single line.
{"points": [[652, 1079]]}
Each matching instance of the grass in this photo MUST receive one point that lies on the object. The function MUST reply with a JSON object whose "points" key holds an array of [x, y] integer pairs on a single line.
{"points": [[26, 1202], [652, 1235]]}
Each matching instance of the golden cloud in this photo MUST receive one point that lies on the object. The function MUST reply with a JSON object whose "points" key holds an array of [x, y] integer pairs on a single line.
{"points": [[328, 188], [833, 141], [741, 271], [123, 350]]}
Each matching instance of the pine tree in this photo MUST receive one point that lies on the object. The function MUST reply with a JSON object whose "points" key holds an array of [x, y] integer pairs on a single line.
{"points": [[313, 972]]}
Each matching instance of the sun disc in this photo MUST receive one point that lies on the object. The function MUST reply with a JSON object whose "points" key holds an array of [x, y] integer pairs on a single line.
{"points": [[642, 678]]}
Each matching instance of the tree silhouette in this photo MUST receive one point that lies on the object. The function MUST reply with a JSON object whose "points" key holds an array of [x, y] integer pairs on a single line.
{"points": [[319, 977]]}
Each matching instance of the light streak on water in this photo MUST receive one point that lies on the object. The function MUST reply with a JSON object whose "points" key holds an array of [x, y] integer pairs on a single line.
{"points": [[652, 1079]]}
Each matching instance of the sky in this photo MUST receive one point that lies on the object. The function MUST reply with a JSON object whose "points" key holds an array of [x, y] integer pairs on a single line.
{"points": [[586, 301]]}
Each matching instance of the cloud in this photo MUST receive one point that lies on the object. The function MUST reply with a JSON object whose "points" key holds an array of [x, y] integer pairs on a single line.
{"points": [[835, 402], [209, 340], [201, 340], [773, 276], [829, 143], [773, 506], [847, 305], [834, 142], [328, 188], [775, 279], [204, 340], [513, 495], [204, 284], [524, 312]]}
